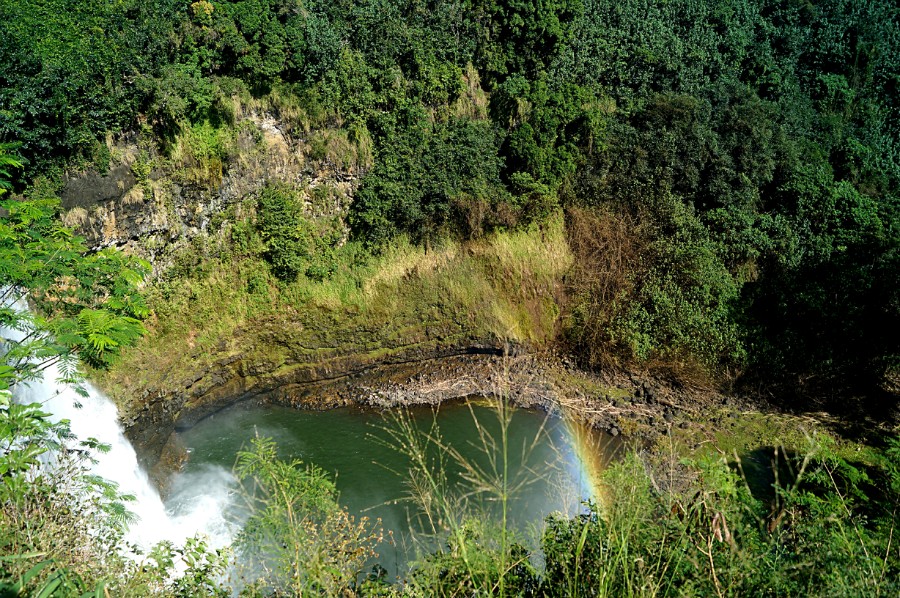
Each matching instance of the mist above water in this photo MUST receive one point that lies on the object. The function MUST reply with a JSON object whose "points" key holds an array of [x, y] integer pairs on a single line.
{"points": [[96, 416]]}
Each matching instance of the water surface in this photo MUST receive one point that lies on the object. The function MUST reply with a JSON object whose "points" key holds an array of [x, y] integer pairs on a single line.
{"points": [[550, 462]]}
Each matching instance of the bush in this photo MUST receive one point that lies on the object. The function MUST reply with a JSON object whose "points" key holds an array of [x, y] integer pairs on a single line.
{"points": [[422, 172], [825, 531], [650, 292], [281, 226], [62, 527], [297, 533]]}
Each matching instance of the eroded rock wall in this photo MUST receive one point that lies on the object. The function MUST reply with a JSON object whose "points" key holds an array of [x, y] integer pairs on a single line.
{"points": [[153, 204], [157, 202]]}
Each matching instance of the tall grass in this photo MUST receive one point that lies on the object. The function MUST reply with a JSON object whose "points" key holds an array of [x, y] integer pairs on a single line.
{"points": [[821, 526], [463, 525], [818, 524], [219, 292]]}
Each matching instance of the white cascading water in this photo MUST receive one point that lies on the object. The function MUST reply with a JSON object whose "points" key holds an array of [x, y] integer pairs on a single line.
{"points": [[196, 509], [97, 417]]}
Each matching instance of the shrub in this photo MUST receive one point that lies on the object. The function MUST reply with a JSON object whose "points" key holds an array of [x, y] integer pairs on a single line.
{"points": [[297, 533], [281, 226], [826, 530]]}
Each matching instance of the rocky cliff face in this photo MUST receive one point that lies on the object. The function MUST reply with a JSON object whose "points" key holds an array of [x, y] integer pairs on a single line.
{"points": [[157, 204], [164, 206], [154, 204]]}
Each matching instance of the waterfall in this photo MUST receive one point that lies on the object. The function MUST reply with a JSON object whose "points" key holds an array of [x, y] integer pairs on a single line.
{"points": [[196, 509], [97, 417]]}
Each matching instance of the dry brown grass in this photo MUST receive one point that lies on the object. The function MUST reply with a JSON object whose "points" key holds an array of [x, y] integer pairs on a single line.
{"points": [[683, 370], [75, 217], [607, 249]]}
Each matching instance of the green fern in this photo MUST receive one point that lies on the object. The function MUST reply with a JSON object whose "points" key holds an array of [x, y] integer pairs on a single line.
{"points": [[104, 333]]}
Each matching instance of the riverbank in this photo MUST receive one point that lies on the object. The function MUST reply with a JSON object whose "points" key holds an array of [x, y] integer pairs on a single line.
{"points": [[412, 325], [665, 421], [630, 406]]}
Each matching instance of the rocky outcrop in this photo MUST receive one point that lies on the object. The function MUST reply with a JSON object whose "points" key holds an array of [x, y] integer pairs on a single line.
{"points": [[154, 205]]}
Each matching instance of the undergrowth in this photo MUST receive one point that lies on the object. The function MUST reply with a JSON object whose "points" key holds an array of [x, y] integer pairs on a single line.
{"points": [[684, 523], [221, 294]]}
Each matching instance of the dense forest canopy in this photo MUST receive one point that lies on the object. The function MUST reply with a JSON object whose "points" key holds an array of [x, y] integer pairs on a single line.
{"points": [[728, 176], [741, 157]]}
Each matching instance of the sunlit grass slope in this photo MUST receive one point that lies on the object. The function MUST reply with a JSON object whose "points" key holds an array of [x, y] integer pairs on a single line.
{"points": [[504, 287]]}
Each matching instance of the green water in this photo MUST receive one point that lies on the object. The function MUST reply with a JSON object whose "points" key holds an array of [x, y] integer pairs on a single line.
{"points": [[354, 446]]}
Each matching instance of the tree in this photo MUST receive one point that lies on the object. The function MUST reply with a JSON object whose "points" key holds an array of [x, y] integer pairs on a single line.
{"points": [[62, 526], [8, 161], [86, 305]]}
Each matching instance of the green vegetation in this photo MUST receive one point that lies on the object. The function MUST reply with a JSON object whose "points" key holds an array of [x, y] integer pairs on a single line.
{"points": [[293, 245], [88, 303], [703, 530], [704, 188], [439, 178], [368, 306], [815, 519], [297, 533], [821, 524], [746, 150], [62, 526], [726, 117]]}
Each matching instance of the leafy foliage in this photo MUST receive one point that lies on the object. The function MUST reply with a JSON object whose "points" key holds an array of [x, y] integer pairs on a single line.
{"points": [[293, 245], [61, 526], [51, 509], [88, 302], [752, 144], [8, 161], [425, 177], [730, 173], [297, 531], [71, 71], [720, 113], [62, 531]]}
